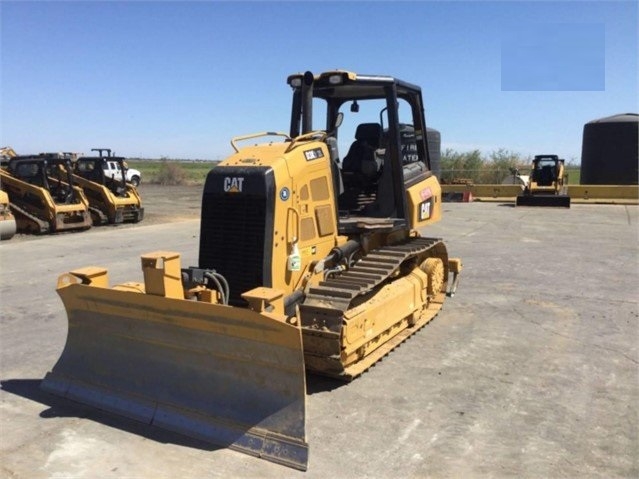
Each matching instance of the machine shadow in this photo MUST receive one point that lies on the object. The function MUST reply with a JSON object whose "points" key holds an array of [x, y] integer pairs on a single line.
{"points": [[60, 407], [318, 384]]}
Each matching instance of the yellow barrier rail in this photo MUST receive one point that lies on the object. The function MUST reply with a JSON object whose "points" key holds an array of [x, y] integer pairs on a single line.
{"points": [[620, 194], [587, 192]]}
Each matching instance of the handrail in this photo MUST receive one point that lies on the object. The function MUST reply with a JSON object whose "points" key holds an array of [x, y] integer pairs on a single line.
{"points": [[319, 135], [256, 135]]}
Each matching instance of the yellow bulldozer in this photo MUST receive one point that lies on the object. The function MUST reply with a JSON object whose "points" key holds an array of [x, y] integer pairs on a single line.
{"points": [[306, 262], [42, 195], [546, 183], [111, 199]]}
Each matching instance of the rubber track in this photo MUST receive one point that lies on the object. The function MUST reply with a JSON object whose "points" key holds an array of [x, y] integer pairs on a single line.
{"points": [[43, 226], [103, 218], [367, 274], [334, 296]]}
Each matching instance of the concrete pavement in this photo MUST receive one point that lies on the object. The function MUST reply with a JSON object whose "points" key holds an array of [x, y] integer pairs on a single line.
{"points": [[532, 370]]}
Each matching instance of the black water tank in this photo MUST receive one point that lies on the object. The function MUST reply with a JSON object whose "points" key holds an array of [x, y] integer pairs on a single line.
{"points": [[409, 148], [434, 139], [609, 152]]}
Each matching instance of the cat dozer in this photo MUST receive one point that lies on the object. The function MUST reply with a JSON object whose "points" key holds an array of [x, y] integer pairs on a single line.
{"points": [[546, 183], [112, 200], [42, 195], [300, 268]]}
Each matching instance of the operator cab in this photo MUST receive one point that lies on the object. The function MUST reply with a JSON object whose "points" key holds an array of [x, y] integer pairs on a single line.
{"points": [[107, 170], [376, 135], [545, 169], [50, 171]]}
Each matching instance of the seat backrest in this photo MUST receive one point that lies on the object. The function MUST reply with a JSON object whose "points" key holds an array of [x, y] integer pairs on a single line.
{"points": [[546, 176], [370, 133], [367, 139]]}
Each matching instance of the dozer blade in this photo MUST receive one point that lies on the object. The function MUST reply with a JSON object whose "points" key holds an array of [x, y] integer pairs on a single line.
{"points": [[229, 376], [544, 200]]}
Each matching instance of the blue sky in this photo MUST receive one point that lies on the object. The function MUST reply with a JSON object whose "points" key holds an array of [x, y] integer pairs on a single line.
{"points": [[180, 79]]}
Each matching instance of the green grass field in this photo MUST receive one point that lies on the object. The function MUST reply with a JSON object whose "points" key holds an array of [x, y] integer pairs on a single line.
{"points": [[574, 175], [153, 171]]}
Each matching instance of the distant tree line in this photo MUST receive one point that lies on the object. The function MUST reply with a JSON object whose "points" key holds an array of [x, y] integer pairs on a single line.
{"points": [[454, 166], [479, 168]]}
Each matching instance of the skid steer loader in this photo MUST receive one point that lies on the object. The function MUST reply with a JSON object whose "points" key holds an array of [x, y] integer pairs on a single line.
{"points": [[42, 195], [111, 200], [303, 265], [545, 185]]}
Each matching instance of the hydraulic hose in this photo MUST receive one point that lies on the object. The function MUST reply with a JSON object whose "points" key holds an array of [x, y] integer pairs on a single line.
{"points": [[296, 297], [218, 280], [346, 250]]}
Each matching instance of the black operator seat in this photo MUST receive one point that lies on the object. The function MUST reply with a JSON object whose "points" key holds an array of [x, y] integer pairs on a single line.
{"points": [[546, 176], [361, 155]]}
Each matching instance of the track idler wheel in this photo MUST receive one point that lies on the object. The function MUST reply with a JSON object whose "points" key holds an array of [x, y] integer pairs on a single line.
{"points": [[434, 269]]}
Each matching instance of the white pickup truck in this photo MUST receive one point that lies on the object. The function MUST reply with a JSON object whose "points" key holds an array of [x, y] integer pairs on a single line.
{"points": [[112, 170]]}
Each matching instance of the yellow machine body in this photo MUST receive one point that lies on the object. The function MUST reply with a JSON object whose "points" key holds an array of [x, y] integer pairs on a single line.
{"points": [[546, 185], [303, 265], [110, 201], [40, 202], [306, 216]]}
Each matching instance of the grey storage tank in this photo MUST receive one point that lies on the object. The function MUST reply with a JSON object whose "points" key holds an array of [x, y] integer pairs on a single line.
{"points": [[609, 152]]}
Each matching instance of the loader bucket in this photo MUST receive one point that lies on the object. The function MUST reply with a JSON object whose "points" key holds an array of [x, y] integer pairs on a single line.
{"points": [[544, 200], [229, 376]]}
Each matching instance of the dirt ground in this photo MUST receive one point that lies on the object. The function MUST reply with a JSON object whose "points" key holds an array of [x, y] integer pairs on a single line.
{"points": [[169, 204]]}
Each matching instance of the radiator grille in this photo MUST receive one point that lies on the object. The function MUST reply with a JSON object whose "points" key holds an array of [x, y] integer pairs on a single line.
{"points": [[232, 240]]}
